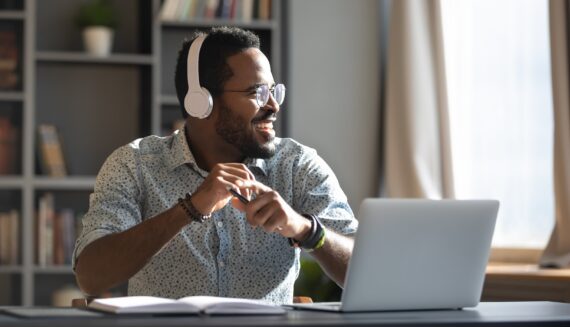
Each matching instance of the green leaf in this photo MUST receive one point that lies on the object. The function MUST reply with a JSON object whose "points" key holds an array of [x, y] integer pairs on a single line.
{"points": [[97, 13]]}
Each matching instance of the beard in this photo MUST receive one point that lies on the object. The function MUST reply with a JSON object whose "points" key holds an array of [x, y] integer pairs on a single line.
{"points": [[238, 132]]}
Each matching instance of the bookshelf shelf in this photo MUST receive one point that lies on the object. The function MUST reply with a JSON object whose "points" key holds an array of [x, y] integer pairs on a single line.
{"points": [[66, 183], [12, 14], [11, 96], [80, 57], [10, 182], [169, 100], [199, 23], [10, 269], [60, 269], [97, 105]]}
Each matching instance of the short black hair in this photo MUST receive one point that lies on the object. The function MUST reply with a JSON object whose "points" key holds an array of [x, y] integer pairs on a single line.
{"points": [[221, 43]]}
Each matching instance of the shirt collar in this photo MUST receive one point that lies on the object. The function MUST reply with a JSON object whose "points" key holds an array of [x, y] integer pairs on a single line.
{"points": [[180, 154]]}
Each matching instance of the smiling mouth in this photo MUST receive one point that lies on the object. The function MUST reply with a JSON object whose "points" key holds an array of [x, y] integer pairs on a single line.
{"points": [[264, 125]]}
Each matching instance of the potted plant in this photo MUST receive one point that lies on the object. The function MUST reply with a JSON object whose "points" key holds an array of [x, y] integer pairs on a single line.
{"points": [[97, 20]]}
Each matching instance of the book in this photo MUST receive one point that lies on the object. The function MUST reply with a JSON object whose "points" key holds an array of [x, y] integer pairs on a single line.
{"points": [[210, 305], [9, 237], [45, 239], [51, 153], [8, 144], [168, 9], [9, 59]]}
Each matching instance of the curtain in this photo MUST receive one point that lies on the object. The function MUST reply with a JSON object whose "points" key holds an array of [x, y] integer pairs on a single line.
{"points": [[557, 252], [416, 149]]}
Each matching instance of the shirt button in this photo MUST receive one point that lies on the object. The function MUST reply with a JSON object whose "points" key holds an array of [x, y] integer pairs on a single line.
{"points": [[221, 264], [220, 224]]}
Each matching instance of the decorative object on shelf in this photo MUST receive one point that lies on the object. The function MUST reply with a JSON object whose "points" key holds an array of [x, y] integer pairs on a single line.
{"points": [[63, 296], [98, 21]]}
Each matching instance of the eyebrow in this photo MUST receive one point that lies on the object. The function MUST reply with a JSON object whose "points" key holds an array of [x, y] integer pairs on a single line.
{"points": [[256, 85]]}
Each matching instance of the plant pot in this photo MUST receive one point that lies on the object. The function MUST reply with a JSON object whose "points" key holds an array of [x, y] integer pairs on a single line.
{"points": [[98, 40]]}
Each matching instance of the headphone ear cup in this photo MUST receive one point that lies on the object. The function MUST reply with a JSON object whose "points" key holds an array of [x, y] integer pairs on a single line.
{"points": [[199, 103]]}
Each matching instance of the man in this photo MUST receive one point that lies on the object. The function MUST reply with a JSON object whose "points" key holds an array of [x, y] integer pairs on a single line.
{"points": [[166, 215]]}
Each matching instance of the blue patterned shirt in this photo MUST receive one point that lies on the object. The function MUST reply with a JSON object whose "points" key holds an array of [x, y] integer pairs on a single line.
{"points": [[223, 256]]}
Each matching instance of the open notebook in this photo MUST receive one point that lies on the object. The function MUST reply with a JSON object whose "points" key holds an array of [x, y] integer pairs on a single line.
{"points": [[187, 305], [412, 254]]}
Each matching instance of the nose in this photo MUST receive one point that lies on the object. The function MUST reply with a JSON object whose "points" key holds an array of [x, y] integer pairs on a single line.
{"points": [[271, 104]]}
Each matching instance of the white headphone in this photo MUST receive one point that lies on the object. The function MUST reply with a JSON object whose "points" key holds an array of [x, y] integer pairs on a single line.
{"points": [[198, 101]]}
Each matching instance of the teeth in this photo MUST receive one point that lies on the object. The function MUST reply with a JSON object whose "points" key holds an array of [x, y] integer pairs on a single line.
{"points": [[264, 125]]}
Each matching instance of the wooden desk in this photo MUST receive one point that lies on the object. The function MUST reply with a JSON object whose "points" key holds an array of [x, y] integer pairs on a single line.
{"points": [[486, 314], [526, 282]]}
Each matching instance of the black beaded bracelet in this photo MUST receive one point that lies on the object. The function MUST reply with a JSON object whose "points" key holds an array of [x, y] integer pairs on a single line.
{"points": [[316, 238], [191, 211]]}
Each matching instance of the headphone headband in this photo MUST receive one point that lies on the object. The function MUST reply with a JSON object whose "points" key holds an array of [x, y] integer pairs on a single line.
{"points": [[193, 67], [198, 101]]}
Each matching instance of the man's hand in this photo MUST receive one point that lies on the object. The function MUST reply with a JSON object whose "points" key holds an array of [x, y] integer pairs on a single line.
{"points": [[214, 193], [270, 212]]}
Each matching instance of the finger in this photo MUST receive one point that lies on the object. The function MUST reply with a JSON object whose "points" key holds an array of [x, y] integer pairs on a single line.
{"points": [[260, 202], [237, 169], [269, 218], [265, 207], [238, 195], [273, 224], [259, 188], [224, 186], [238, 182]]}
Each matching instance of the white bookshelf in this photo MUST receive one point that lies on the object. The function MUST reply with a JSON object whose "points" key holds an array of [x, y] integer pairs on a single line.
{"points": [[97, 104]]}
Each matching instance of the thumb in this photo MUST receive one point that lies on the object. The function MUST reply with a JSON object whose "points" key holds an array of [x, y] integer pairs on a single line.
{"points": [[236, 203]]}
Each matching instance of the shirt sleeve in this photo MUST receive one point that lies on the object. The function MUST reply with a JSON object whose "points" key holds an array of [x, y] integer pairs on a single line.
{"points": [[114, 205], [319, 193]]}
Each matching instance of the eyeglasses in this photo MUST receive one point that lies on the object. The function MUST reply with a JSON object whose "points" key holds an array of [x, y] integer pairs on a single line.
{"points": [[262, 93]]}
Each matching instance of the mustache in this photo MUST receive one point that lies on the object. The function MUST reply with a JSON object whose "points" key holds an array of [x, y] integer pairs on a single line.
{"points": [[264, 115]]}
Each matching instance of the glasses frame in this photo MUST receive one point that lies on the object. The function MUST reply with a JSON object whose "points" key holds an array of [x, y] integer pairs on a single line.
{"points": [[259, 93]]}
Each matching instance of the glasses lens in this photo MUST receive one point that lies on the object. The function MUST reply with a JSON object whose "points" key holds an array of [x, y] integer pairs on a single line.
{"points": [[262, 95], [279, 93]]}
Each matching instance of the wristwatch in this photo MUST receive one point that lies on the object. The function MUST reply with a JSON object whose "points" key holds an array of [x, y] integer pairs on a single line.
{"points": [[316, 238], [191, 211]]}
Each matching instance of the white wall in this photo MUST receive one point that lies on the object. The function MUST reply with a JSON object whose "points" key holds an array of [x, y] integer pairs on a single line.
{"points": [[333, 87]]}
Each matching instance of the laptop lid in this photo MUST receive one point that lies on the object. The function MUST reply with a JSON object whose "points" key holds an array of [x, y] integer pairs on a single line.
{"points": [[412, 254]]}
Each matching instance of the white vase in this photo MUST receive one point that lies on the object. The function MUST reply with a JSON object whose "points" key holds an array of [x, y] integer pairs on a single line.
{"points": [[98, 40]]}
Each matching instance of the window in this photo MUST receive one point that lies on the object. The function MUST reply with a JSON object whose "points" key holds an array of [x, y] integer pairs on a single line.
{"points": [[500, 103]]}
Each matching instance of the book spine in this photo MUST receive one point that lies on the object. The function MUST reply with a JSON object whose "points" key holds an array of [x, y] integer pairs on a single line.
{"points": [[67, 217], [58, 255], [8, 137], [168, 10], [51, 153], [9, 59], [15, 237], [247, 10], [4, 229], [46, 230], [40, 227]]}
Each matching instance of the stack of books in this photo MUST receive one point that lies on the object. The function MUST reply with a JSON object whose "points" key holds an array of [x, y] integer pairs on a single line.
{"points": [[56, 232], [238, 10]]}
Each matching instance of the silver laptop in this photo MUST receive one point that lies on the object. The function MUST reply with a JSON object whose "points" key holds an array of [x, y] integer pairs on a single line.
{"points": [[417, 255]]}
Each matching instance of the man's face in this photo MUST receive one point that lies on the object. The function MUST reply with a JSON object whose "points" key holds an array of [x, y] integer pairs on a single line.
{"points": [[240, 121]]}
